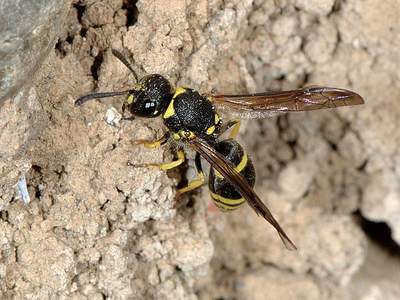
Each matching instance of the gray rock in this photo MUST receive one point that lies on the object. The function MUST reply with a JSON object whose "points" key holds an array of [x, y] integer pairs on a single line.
{"points": [[28, 30]]}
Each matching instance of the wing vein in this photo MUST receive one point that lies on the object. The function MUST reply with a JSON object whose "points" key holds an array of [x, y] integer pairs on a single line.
{"points": [[305, 99]]}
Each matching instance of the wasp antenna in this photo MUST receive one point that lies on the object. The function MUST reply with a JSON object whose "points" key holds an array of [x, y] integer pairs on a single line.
{"points": [[88, 97], [122, 59]]}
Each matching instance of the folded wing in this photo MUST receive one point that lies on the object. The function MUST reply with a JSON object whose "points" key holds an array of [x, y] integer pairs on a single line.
{"points": [[223, 166]]}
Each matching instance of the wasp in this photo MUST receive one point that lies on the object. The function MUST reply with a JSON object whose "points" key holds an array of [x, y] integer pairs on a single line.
{"points": [[194, 119]]}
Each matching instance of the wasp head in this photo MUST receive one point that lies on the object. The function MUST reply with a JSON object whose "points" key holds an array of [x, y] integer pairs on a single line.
{"points": [[150, 97]]}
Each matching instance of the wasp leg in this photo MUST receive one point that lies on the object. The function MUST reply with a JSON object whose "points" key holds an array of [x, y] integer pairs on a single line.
{"points": [[165, 166], [194, 184], [235, 130], [153, 144], [172, 164]]}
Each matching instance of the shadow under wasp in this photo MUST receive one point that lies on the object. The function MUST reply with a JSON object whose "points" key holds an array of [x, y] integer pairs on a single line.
{"points": [[194, 119]]}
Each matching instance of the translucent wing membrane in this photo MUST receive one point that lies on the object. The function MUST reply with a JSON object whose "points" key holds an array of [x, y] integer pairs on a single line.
{"points": [[219, 162], [264, 104]]}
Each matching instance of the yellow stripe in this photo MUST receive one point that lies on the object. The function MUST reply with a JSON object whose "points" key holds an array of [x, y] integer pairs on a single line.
{"points": [[210, 130], [216, 118], [170, 110], [238, 168], [227, 201], [185, 134], [225, 207], [178, 91], [130, 99]]}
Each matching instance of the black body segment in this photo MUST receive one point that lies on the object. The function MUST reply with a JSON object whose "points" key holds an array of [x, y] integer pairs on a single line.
{"points": [[189, 111], [224, 194]]}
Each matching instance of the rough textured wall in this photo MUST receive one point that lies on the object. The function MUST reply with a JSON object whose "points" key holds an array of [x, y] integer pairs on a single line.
{"points": [[28, 30], [99, 227]]}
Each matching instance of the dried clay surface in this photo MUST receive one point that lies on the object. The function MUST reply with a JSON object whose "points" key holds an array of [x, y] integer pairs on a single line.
{"points": [[100, 227]]}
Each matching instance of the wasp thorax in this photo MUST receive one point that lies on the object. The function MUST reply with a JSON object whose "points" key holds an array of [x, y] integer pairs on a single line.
{"points": [[151, 96]]}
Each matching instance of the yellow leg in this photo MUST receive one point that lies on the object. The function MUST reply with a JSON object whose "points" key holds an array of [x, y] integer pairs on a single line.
{"points": [[194, 184], [235, 130], [152, 144], [172, 164]]}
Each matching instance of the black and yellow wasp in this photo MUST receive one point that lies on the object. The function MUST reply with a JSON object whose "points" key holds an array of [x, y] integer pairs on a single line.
{"points": [[193, 119]]}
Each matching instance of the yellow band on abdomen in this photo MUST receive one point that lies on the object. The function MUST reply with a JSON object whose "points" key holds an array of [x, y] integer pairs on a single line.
{"points": [[239, 168], [226, 203]]}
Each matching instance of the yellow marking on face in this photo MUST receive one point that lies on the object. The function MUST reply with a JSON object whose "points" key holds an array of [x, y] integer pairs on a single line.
{"points": [[210, 130], [179, 90], [217, 118], [130, 99], [238, 168], [170, 110]]}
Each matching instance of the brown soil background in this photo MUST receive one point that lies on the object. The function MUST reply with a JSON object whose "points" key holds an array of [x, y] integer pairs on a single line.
{"points": [[98, 227]]}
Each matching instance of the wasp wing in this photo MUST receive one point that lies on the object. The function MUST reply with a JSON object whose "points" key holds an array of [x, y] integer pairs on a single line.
{"points": [[263, 104], [223, 166]]}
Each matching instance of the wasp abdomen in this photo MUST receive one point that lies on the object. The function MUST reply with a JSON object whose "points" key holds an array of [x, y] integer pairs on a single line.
{"points": [[225, 195]]}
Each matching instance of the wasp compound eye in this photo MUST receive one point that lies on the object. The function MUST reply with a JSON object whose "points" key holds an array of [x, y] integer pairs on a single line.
{"points": [[144, 106]]}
